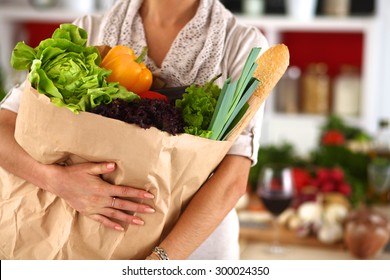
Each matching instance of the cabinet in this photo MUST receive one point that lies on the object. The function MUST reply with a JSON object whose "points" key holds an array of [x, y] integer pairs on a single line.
{"points": [[365, 34]]}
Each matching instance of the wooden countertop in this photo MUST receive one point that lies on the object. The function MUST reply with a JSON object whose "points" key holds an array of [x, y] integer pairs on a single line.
{"points": [[286, 237], [256, 250]]}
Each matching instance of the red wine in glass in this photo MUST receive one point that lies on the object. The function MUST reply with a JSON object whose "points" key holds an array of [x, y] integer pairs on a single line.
{"points": [[276, 191], [275, 202]]}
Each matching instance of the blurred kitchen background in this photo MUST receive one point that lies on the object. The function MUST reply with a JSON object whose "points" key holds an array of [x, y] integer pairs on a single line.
{"points": [[331, 110]]}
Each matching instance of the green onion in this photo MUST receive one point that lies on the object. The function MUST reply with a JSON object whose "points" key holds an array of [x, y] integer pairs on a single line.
{"points": [[237, 111], [232, 102], [225, 100]]}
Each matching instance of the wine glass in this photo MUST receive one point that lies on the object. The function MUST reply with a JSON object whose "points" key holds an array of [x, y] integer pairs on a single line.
{"points": [[275, 189]]}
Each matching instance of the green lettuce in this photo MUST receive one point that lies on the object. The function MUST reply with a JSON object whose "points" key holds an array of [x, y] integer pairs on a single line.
{"points": [[65, 69], [197, 106]]}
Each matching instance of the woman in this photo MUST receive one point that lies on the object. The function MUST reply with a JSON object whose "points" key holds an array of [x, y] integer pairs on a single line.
{"points": [[196, 40]]}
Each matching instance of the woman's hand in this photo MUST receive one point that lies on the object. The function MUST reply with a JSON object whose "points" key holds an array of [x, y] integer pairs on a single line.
{"points": [[83, 189]]}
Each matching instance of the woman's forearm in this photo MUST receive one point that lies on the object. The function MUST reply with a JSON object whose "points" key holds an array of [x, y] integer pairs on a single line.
{"points": [[208, 207], [12, 157]]}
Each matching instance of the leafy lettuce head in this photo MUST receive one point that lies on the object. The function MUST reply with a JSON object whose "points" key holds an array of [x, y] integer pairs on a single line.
{"points": [[65, 69]]}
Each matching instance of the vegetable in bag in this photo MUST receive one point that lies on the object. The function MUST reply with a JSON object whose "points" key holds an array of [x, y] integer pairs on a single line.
{"points": [[67, 71]]}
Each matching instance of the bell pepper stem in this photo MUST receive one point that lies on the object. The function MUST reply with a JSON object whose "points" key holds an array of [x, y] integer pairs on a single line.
{"points": [[142, 55], [213, 80]]}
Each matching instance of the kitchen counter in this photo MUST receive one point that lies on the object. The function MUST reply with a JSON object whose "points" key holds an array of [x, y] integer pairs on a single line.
{"points": [[257, 250], [256, 233]]}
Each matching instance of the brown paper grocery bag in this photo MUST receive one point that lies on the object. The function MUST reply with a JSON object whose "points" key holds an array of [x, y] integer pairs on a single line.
{"points": [[35, 224], [171, 167]]}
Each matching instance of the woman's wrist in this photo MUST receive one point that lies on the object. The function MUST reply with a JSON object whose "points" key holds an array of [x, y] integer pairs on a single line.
{"points": [[45, 174], [152, 257], [158, 254]]}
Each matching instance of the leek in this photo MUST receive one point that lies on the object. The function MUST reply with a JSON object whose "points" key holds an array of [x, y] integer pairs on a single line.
{"points": [[232, 102]]}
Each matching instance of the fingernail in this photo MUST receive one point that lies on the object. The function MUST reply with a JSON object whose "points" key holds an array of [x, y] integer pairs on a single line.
{"points": [[119, 228], [149, 210], [110, 165], [138, 222], [148, 195]]}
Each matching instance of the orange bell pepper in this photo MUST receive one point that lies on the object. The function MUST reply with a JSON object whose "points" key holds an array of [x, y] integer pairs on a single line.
{"points": [[127, 69]]}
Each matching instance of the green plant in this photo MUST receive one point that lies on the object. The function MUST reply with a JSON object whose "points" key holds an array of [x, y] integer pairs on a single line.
{"points": [[354, 165], [274, 154], [335, 123], [2, 86], [331, 153], [336, 154]]}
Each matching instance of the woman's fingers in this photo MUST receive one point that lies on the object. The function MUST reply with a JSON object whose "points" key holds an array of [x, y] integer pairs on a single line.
{"points": [[124, 204], [115, 214], [130, 192], [117, 191], [101, 168], [108, 215], [106, 222], [83, 188]]}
